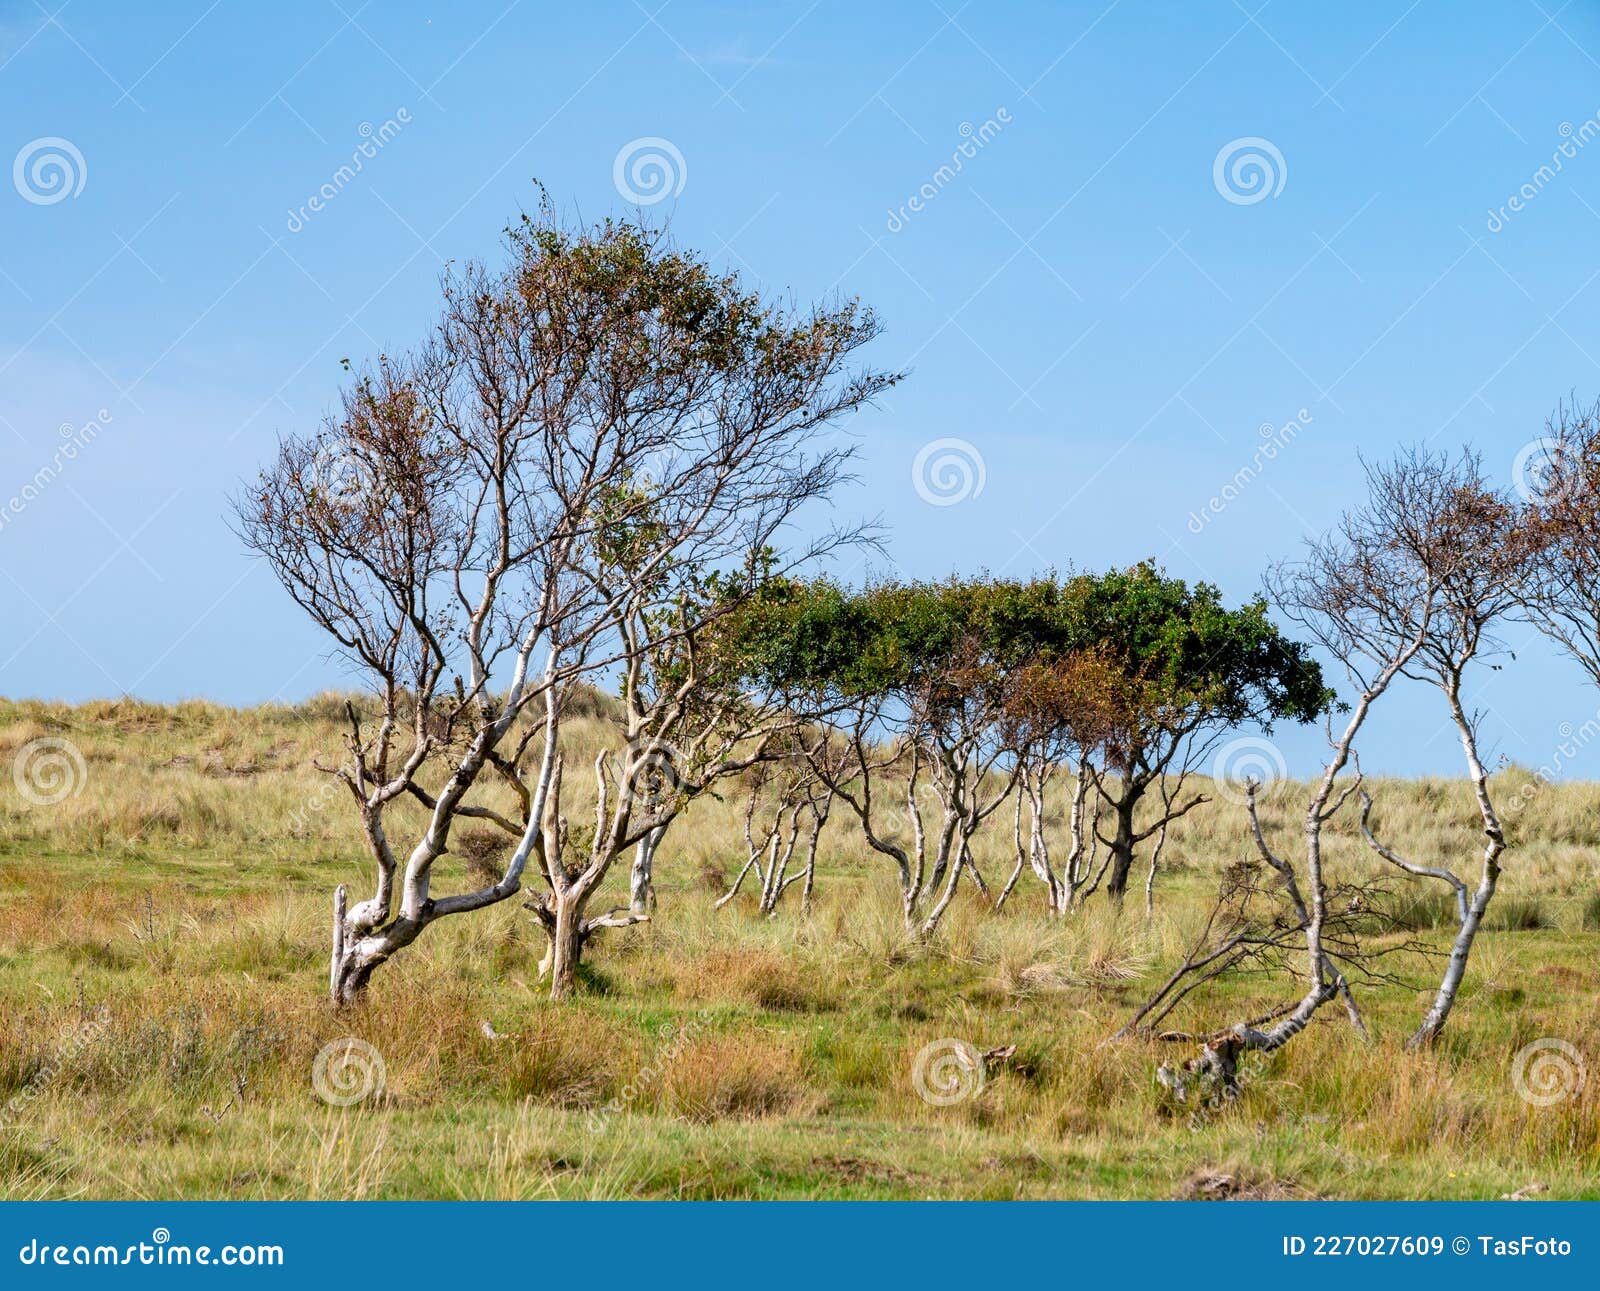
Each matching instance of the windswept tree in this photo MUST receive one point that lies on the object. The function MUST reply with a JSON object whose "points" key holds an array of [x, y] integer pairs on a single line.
{"points": [[534, 496], [1187, 671], [1448, 528], [911, 688], [1063, 710], [1410, 584]]}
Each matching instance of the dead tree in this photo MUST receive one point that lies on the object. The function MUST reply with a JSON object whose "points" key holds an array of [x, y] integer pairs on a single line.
{"points": [[515, 506]]}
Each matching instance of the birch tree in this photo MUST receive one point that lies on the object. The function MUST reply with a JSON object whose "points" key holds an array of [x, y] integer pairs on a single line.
{"points": [[1447, 528], [524, 501], [1360, 593], [792, 804]]}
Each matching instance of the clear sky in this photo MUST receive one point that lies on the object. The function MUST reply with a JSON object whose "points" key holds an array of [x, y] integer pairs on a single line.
{"points": [[1171, 225]]}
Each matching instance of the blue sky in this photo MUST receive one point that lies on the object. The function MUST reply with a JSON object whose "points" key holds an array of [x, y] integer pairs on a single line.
{"points": [[1092, 301]]}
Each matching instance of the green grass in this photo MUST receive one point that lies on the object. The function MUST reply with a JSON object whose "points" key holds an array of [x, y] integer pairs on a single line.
{"points": [[187, 889]]}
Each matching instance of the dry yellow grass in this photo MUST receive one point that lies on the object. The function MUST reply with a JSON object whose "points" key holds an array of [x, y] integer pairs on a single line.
{"points": [[185, 890]]}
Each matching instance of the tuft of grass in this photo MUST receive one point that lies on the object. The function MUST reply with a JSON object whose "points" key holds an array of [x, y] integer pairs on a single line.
{"points": [[740, 1075]]}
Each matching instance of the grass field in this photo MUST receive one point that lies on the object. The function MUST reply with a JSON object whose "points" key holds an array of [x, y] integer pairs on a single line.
{"points": [[163, 952]]}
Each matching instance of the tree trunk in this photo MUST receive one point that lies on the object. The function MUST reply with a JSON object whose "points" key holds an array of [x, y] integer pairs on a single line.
{"points": [[1460, 950], [642, 883], [1150, 878], [1122, 846], [1472, 916], [566, 947], [356, 955]]}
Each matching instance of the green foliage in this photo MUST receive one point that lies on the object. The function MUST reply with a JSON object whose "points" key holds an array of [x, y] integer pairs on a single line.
{"points": [[1185, 658]]}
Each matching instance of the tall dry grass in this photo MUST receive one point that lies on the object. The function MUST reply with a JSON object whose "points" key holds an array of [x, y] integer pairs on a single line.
{"points": [[185, 891]]}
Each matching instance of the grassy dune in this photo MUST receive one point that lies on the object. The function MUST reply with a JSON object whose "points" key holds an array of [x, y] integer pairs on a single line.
{"points": [[163, 949]]}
